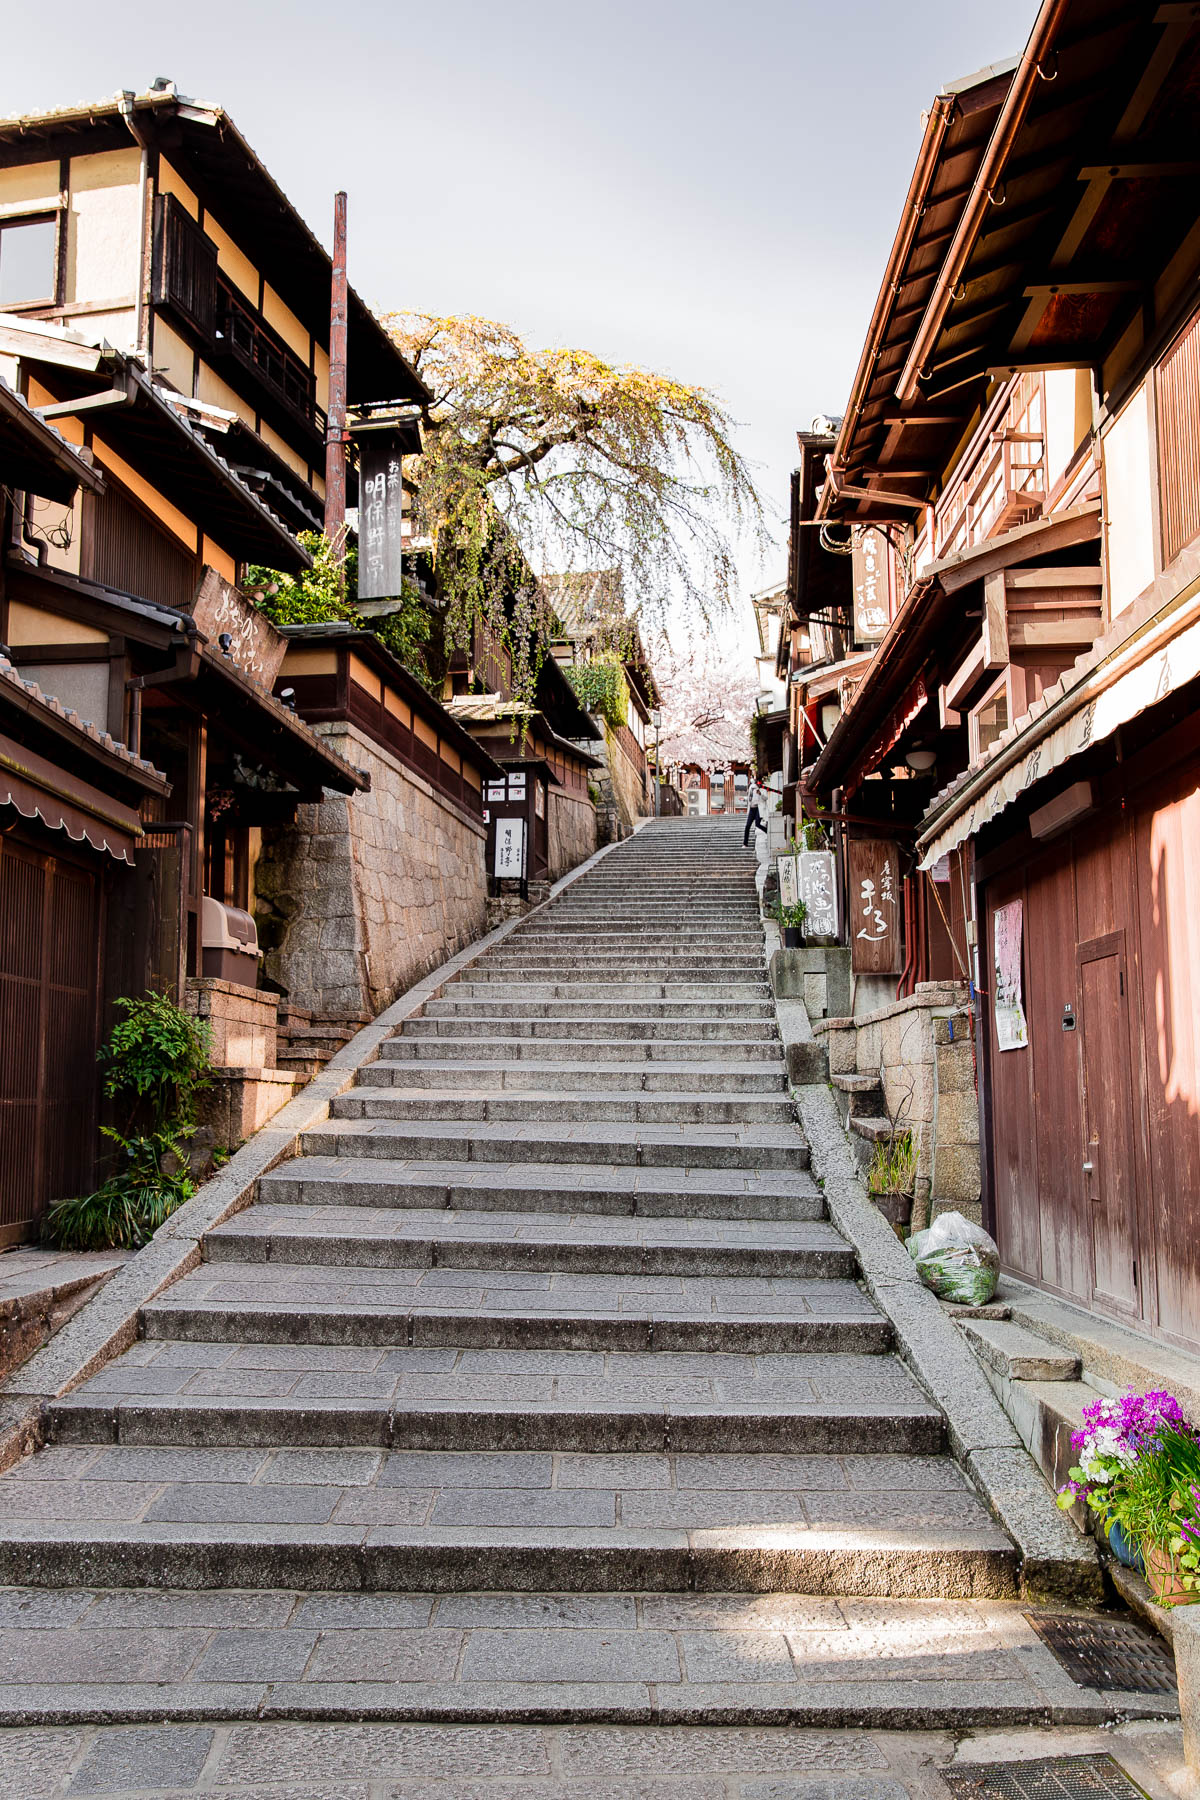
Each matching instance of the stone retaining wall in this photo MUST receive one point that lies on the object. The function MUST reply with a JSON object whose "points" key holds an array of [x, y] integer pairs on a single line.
{"points": [[572, 833], [363, 895]]}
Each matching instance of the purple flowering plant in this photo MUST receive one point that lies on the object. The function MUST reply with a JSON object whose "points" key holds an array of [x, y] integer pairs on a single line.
{"points": [[1186, 1546], [1139, 1468]]}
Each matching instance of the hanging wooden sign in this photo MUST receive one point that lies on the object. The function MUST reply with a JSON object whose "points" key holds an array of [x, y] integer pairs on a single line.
{"points": [[876, 946], [380, 516]]}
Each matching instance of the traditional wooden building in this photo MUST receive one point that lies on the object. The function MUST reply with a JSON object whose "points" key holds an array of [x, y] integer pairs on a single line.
{"points": [[72, 909], [592, 625], [1022, 751], [168, 312]]}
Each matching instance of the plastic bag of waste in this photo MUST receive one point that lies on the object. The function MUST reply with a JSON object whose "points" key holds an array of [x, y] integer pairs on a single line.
{"points": [[958, 1260]]}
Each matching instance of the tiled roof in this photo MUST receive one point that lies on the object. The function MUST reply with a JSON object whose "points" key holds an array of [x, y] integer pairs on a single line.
{"points": [[14, 681]]}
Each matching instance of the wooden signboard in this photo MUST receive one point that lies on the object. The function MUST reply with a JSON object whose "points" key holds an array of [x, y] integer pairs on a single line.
{"points": [[818, 890], [871, 575], [789, 884], [220, 610], [874, 918], [380, 515]]}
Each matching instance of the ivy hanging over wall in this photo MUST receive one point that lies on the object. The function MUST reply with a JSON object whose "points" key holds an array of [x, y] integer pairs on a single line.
{"points": [[328, 590], [602, 687]]}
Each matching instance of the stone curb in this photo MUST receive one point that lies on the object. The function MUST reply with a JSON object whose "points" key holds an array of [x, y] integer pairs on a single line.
{"points": [[108, 1324], [1056, 1561]]}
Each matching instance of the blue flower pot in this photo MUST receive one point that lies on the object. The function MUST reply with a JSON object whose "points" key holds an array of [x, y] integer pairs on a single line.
{"points": [[1124, 1549]]}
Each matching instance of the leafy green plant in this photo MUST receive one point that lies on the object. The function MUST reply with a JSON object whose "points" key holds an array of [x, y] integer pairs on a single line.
{"points": [[893, 1165], [329, 589], [156, 1063], [792, 918], [602, 687]]}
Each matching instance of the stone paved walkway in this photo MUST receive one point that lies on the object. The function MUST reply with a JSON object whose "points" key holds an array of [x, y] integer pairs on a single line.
{"points": [[431, 1762], [538, 1388]]}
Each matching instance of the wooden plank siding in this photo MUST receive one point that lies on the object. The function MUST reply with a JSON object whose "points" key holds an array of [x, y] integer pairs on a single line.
{"points": [[1111, 929]]}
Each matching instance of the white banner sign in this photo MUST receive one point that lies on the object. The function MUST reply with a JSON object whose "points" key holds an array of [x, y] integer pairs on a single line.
{"points": [[818, 890], [510, 848]]}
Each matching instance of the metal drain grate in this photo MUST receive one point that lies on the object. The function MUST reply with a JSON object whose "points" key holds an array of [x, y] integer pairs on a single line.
{"points": [[1046, 1778], [1107, 1654]]}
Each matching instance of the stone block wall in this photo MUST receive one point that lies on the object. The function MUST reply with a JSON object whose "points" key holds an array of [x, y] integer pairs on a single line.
{"points": [[363, 895], [622, 800], [572, 831], [242, 1020]]}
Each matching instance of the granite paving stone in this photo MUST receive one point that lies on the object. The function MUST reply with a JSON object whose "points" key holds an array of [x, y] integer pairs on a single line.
{"points": [[146, 1757], [512, 1406]]}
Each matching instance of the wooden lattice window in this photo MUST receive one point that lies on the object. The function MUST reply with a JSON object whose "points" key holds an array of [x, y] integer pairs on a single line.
{"points": [[1177, 388]]}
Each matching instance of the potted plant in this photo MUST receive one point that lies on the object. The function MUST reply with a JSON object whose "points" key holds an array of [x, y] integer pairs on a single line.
{"points": [[1139, 1474], [791, 924], [891, 1177]]}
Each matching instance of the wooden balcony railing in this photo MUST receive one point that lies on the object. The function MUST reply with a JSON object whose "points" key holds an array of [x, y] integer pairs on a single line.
{"points": [[1001, 481]]}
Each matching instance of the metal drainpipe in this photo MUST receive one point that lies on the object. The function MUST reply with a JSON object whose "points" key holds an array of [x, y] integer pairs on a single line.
{"points": [[125, 106]]}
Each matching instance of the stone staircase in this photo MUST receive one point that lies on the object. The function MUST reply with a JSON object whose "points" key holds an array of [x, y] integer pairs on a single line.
{"points": [[537, 1387]]}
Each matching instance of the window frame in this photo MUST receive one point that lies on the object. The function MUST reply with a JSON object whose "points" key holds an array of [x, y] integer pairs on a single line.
{"points": [[45, 215]]}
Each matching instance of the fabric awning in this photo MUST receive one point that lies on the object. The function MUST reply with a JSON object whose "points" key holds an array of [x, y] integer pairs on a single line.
{"points": [[39, 789], [1137, 676]]}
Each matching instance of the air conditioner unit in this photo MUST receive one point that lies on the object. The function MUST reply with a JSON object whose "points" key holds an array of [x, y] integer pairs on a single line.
{"points": [[230, 943]]}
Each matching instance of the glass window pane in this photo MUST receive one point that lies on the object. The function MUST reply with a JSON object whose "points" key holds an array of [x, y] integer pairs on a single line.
{"points": [[27, 262]]}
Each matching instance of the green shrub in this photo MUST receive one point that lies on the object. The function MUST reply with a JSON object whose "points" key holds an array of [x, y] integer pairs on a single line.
{"points": [[156, 1062], [602, 687]]}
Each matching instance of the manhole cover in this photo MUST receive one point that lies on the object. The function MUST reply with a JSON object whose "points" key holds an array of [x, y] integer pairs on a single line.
{"points": [[1046, 1778], [1108, 1654]]}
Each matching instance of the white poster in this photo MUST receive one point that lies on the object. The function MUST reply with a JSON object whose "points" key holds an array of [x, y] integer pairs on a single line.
{"points": [[510, 848], [1011, 1030], [789, 885], [818, 890], [516, 786]]}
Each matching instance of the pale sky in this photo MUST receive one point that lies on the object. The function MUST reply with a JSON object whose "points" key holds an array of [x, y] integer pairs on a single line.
{"points": [[707, 190]]}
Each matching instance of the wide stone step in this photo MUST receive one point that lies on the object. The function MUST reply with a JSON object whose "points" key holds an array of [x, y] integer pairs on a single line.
{"points": [[384, 1522], [521, 1006], [466, 1104], [375, 1302], [496, 970], [663, 1146], [434, 1047], [716, 994], [568, 1188], [519, 1682], [697, 1077], [586, 1025], [459, 1397]]}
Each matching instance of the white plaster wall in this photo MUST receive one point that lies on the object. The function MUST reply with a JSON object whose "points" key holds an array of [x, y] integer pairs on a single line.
{"points": [[1129, 517]]}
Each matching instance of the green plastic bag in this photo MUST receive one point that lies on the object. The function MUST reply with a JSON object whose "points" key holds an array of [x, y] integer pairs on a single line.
{"points": [[958, 1260]]}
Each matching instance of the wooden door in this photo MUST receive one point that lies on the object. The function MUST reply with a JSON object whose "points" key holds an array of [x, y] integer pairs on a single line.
{"points": [[49, 938], [1106, 1094]]}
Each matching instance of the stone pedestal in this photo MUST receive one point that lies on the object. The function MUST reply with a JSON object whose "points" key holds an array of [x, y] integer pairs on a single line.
{"points": [[246, 1089]]}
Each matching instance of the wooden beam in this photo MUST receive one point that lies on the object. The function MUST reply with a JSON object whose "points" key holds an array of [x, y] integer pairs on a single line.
{"points": [[995, 622], [1091, 576], [967, 676], [1078, 633], [948, 719]]}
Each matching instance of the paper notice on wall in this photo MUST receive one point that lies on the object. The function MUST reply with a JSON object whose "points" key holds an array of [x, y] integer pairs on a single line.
{"points": [[1012, 1032], [789, 881]]}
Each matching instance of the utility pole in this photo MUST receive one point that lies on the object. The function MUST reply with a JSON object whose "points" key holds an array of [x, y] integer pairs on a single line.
{"points": [[335, 428]]}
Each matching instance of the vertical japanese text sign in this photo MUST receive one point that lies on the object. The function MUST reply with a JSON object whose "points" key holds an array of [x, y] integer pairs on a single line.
{"points": [[870, 567], [819, 892], [874, 916], [510, 848], [380, 512]]}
